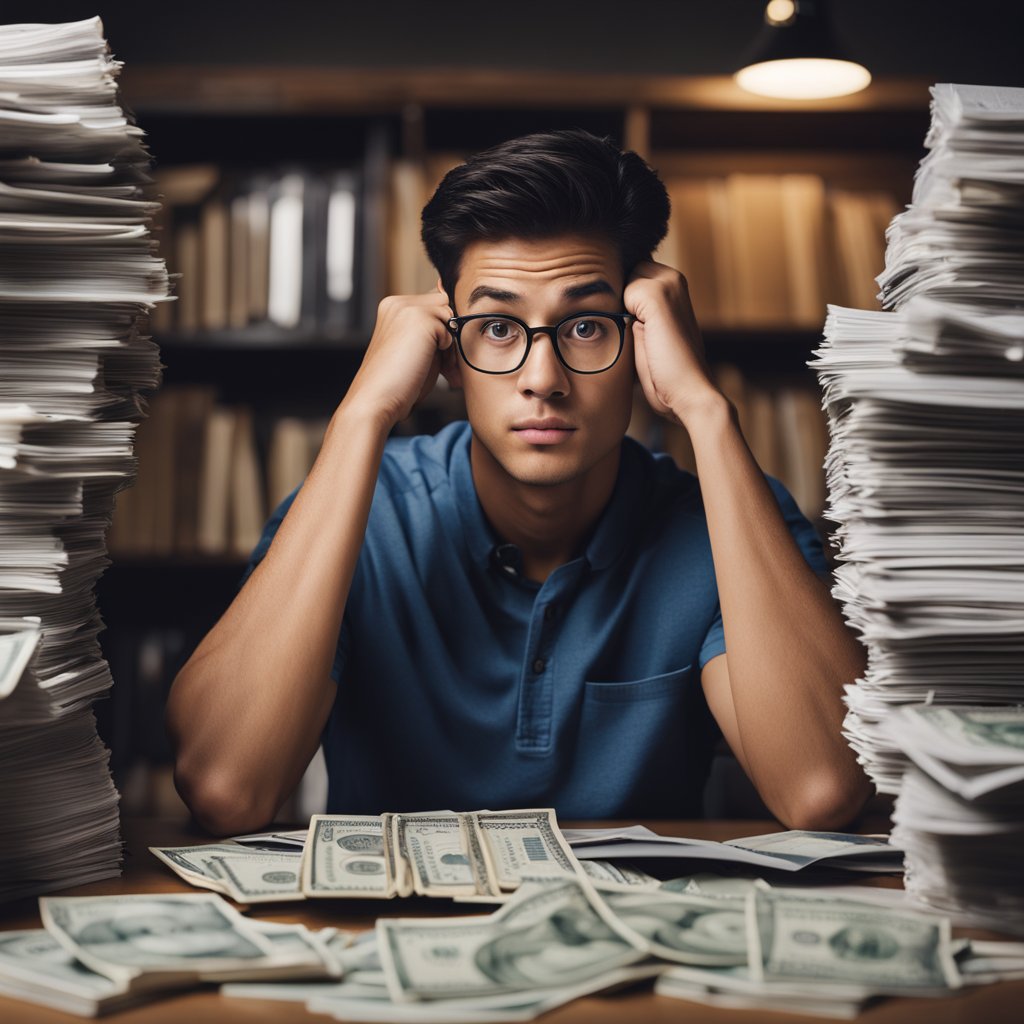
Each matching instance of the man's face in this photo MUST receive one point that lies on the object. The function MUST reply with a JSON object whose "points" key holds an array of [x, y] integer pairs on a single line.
{"points": [[591, 411]]}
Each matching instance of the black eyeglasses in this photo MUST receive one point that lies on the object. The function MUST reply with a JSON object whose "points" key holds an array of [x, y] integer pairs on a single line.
{"points": [[584, 342]]}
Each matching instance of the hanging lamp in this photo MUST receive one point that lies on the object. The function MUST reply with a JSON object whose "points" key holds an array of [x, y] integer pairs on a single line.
{"points": [[796, 56]]}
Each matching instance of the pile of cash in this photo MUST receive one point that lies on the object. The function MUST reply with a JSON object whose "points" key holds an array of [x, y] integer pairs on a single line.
{"points": [[77, 277], [926, 413], [960, 811], [706, 939], [482, 856], [472, 856], [565, 927], [101, 953]]}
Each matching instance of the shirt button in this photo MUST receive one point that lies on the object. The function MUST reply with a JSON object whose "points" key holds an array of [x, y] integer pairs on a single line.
{"points": [[549, 612], [538, 666]]}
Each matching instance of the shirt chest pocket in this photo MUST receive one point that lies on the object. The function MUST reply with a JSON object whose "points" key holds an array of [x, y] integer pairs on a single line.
{"points": [[635, 746], [658, 689]]}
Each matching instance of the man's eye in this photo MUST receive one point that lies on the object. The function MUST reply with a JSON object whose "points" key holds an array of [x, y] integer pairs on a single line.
{"points": [[588, 330], [500, 330]]}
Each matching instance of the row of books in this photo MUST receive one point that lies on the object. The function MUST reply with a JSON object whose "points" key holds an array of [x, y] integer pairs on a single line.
{"points": [[277, 249], [210, 474], [771, 250], [284, 250]]}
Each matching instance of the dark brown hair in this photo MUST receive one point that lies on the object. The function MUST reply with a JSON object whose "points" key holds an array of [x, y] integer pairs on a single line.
{"points": [[542, 185]]}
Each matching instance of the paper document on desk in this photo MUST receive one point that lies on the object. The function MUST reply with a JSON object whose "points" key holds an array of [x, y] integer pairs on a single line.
{"points": [[785, 851], [273, 840]]}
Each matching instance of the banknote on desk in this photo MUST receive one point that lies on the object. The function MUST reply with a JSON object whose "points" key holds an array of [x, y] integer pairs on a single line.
{"points": [[172, 940], [244, 874], [442, 853]]}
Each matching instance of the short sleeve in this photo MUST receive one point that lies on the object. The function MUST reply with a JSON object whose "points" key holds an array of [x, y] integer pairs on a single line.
{"points": [[810, 545], [263, 546], [801, 528], [714, 640]]}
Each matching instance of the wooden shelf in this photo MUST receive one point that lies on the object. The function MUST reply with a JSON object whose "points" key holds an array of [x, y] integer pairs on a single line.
{"points": [[189, 89], [261, 338], [124, 562]]}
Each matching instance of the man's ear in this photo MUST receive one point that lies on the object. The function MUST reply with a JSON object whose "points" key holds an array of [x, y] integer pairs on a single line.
{"points": [[451, 366]]}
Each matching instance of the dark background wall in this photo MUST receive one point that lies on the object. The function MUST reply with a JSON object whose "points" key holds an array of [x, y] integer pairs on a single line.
{"points": [[967, 41]]}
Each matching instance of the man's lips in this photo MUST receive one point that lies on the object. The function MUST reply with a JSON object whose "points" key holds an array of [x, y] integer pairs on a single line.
{"points": [[548, 424], [549, 431]]}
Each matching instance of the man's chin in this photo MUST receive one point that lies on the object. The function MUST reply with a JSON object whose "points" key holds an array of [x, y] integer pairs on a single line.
{"points": [[542, 469]]}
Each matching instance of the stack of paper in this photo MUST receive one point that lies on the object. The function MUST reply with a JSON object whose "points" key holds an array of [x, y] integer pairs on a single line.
{"points": [[926, 479], [78, 275], [959, 813]]}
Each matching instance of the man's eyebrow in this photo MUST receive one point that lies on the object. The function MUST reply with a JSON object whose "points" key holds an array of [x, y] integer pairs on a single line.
{"points": [[573, 291]]}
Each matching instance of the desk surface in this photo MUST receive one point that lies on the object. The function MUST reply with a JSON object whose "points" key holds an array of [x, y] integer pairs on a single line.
{"points": [[990, 1004]]}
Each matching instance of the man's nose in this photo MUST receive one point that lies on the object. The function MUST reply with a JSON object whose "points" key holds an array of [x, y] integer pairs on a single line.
{"points": [[543, 373]]}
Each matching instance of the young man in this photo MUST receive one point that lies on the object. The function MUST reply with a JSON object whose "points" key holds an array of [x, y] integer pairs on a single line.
{"points": [[529, 609]]}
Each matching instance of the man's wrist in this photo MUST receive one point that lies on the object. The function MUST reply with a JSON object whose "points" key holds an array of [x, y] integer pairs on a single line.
{"points": [[351, 420], [708, 410]]}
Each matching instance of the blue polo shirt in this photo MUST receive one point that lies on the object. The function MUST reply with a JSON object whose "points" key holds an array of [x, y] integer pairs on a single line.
{"points": [[463, 685]]}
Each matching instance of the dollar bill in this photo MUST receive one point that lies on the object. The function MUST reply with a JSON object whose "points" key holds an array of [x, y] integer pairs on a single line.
{"points": [[740, 981], [971, 751], [167, 940], [686, 929], [821, 1005], [399, 875], [890, 951], [261, 877], [526, 844], [548, 936], [353, 1002], [295, 944], [35, 967], [16, 650], [244, 874], [711, 885], [966, 735], [344, 856], [611, 877], [485, 876], [436, 850], [361, 954]]}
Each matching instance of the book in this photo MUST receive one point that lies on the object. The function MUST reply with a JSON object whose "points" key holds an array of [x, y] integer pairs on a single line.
{"points": [[757, 229]]}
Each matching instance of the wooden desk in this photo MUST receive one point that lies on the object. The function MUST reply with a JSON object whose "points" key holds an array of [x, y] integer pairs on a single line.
{"points": [[991, 1004]]}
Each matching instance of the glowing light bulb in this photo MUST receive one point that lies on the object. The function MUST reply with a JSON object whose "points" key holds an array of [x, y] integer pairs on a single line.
{"points": [[803, 78], [779, 11]]}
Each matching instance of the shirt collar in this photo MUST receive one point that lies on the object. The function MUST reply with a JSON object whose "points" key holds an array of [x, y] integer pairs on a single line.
{"points": [[613, 528]]}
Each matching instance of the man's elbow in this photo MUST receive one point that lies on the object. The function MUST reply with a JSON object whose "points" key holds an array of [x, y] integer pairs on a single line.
{"points": [[222, 803], [827, 804]]}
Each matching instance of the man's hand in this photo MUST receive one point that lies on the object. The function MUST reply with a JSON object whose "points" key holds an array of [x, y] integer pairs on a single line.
{"points": [[668, 347], [410, 345]]}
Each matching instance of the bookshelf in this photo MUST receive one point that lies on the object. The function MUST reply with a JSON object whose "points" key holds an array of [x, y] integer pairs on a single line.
{"points": [[241, 120]]}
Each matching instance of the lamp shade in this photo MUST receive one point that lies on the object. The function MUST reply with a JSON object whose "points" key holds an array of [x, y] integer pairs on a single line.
{"points": [[797, 56]]}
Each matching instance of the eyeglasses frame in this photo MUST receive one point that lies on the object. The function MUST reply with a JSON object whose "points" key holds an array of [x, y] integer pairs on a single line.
{"points": [[454, 325]]}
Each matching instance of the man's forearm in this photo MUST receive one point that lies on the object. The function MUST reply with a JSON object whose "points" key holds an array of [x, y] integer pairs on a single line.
{"points": [[789, 651], [246, 711]]}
